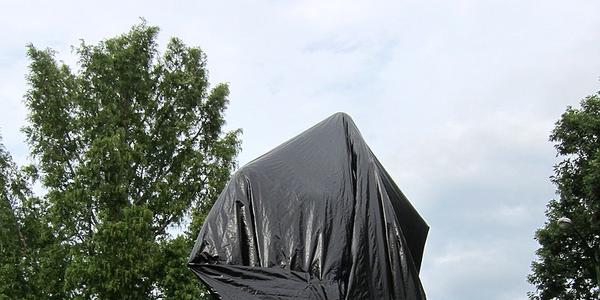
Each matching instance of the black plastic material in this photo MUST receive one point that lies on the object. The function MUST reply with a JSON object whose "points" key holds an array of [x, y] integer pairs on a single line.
{"points": [[317, 217]]}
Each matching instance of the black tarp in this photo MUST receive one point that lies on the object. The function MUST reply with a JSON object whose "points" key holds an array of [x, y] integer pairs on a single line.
{"points": [[318, 217]]}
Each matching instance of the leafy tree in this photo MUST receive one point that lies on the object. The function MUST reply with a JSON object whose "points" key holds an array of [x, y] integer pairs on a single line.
{"points": [[25, 238], [13, 245], [568, 258], [128, 146]]}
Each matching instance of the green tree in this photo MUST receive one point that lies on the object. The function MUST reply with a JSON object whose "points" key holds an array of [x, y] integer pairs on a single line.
{"points": [[568, 259], [13, 245], [26, 240], [129, 146]]}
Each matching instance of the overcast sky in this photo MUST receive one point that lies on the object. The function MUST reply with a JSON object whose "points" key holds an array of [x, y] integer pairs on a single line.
{"points": [[456, 98]]}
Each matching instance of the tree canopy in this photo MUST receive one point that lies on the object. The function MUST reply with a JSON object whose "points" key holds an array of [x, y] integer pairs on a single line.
{"points": [[129, 146], [26, 242], [568, 262]]}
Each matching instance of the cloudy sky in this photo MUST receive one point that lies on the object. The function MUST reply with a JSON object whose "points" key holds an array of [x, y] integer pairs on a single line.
{"points": [[456, 98]]}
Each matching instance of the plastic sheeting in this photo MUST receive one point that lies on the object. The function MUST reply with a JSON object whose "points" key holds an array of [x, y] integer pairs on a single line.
{"points": [[318, 217]]}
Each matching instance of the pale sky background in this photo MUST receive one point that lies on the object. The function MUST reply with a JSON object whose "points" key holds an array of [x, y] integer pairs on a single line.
{"points": [[456, 98]]}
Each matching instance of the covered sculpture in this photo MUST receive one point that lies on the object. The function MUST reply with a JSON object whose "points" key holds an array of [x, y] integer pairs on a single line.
{"points": [[318, 217]]}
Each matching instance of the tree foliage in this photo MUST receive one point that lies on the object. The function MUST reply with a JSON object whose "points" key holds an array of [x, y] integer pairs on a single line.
{"points": [[128, 146], [566, 268], [28, 267]]}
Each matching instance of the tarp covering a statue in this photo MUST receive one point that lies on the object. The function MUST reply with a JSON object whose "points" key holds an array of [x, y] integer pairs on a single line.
{"points": [[318, 217]]}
